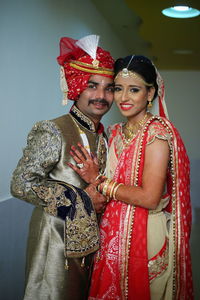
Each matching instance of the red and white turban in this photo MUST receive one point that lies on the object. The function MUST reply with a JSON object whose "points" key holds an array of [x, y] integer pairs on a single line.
{"points": [[79, 60]]}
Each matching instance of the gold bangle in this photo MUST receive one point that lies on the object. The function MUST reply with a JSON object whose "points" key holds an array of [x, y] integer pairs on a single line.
{"points": [[100, 187], [109, 188], [112, 189], [98, 176], [106, 183], [115, 190]]}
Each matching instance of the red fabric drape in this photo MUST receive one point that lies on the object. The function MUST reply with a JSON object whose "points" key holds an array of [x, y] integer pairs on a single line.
{"points": [[121, 271]]}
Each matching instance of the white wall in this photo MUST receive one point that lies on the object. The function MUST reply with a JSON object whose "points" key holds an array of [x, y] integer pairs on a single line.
{"points": [[30, 31], [183, 102], [182, 98]]}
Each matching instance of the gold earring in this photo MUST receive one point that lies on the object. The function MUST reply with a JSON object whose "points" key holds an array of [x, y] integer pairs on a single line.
{"points": [[149, 104]]}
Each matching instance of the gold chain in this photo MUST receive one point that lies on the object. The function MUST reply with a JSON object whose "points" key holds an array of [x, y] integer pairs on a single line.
{"points": [[130, 131]]}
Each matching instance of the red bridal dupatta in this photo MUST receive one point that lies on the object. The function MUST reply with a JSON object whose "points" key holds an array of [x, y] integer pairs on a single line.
{"points": [[121, 265]]}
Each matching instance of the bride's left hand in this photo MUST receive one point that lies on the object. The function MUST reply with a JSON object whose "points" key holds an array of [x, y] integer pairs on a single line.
{"points": [[86, 165]]}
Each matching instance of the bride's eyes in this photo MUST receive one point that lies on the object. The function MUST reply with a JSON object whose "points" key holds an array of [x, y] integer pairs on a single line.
{"points": [[134, 90], [117, 89]]}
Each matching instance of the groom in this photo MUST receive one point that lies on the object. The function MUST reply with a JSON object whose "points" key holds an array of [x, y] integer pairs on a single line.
{"points": [[63, 233]]}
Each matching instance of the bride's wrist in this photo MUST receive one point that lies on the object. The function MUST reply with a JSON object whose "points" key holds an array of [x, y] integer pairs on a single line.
{"points": [[109, 188]]}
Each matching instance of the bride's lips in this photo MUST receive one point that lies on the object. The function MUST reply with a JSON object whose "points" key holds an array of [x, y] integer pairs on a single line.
{"points": [[125, 106]]}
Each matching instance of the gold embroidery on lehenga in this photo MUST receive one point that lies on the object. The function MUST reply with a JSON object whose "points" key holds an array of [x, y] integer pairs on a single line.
{"points": [[175, 203], [158, 267], [130, 214], [159, 263], [157, 130]]}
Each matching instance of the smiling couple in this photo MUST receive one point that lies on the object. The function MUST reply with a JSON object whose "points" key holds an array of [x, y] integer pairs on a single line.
{"points": [[114, 225]]}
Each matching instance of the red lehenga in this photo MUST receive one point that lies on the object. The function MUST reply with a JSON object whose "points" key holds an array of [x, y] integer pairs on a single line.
{"points": [[123, 268]]}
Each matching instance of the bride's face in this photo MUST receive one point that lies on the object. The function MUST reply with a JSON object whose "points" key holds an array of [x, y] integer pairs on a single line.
{"points": [[132, 95]]}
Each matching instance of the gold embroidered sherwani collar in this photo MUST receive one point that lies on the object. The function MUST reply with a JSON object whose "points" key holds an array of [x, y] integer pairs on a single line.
{"points": [[82, 119]]}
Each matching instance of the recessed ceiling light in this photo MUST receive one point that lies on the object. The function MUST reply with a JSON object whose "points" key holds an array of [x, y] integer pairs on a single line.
{"points": [[181, 11], [181, 8]]}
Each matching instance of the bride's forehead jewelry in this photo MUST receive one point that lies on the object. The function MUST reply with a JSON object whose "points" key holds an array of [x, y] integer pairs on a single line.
{"points": [[125, 73], [134, 76]]}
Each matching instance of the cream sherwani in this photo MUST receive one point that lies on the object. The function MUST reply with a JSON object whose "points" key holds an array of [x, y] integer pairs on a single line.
{"points": [[63, 226]]}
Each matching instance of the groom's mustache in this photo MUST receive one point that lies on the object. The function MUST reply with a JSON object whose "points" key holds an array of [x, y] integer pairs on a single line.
{"points": [[101, 101]]}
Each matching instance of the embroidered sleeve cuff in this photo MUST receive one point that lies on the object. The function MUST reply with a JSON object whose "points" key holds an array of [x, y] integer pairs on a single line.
{"points": [[53, 194], [61, 199]]}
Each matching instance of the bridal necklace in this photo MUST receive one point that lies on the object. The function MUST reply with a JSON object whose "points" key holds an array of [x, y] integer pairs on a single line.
{"points": [[131, 130]]}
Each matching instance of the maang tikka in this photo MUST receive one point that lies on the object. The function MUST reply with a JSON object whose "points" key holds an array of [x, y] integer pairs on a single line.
{"points": [[125, 71]]}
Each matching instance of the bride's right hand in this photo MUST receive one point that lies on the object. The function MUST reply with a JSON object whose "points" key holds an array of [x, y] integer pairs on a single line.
{"points": [[86, 165]]}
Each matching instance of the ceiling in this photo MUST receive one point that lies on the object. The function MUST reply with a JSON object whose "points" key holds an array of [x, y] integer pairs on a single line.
{"points": [[173, 44]]}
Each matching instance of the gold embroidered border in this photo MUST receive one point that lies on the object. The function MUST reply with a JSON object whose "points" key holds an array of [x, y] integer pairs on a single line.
{"points": [[80, 63], [102, 153], [91, 70], [53, 195], [159, 263], [175, 203], [128, 223], [134, 178], [80, 115]]}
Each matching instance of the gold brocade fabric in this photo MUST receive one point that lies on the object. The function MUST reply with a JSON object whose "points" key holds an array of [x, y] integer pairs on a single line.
{"points": [[42, 178], [46, 277]]}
